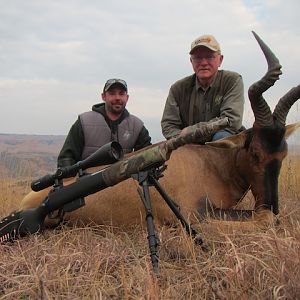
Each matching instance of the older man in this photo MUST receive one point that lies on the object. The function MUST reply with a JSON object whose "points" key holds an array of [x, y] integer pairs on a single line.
{"points": [[106, 122], [208, 94]]}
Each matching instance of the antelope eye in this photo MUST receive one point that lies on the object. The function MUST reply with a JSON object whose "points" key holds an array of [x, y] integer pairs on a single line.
{"points": [[256, 158]]}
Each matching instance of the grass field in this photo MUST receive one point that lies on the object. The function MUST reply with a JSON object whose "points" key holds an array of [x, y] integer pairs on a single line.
{"points": [[101, 262]]}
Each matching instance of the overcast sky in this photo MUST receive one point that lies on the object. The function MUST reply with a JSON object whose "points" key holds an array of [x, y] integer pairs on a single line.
{"points": [[56, 55]]}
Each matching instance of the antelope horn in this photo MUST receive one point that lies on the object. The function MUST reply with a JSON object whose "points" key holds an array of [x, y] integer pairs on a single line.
{"points": [[285, 103], [261, 110]]}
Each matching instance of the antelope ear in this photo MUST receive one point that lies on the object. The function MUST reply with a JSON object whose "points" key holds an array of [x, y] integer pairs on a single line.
{"points": [[233, 141], [291, 128]]}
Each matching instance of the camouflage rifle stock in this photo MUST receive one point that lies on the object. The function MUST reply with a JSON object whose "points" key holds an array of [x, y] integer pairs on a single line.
{"points": [[22, 223]]}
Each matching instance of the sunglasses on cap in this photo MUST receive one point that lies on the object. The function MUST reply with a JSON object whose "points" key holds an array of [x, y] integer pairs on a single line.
{"points": [[111, 82]]}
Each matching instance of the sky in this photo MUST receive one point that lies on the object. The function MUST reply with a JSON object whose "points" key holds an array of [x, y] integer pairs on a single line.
{"points": [[56, 55]]}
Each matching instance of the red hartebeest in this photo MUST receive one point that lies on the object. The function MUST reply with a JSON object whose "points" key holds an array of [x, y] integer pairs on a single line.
{"points": [[221, 172]]}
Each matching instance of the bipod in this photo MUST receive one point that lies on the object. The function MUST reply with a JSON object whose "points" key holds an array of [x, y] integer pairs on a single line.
{"points": [[150, 178]]}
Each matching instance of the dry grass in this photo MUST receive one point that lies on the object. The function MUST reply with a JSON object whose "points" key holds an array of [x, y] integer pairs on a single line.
{"points": [[100, 262]]}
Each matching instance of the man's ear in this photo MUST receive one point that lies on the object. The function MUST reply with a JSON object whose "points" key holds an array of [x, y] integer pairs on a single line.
{"points": [[221, 59], [103, 96]]}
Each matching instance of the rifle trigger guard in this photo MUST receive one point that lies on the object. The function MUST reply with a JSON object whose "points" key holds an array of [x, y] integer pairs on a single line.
{"points": [[58, 214]]}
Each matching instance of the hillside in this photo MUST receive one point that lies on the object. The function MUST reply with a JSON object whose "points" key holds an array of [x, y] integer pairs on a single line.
{"points": [[28, 155]]}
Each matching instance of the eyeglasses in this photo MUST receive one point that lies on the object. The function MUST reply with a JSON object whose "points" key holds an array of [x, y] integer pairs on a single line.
{"points": [[110, 82], [209, 57]]}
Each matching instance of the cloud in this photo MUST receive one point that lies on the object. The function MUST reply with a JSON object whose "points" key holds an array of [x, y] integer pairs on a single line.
{"points": [[56, 55]]}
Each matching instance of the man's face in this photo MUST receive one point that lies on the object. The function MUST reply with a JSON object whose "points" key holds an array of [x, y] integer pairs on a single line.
{"points": [[205, 63], [115, 99]]}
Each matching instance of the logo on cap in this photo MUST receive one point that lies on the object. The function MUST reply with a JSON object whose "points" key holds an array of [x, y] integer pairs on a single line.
{"points": [[207, 41]]}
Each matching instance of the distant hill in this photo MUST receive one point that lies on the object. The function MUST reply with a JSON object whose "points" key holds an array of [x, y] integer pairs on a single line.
{"points": [[28, 155]]}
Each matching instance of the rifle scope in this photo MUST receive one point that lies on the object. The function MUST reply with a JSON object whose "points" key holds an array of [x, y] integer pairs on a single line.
{"points": [[105, 155]]}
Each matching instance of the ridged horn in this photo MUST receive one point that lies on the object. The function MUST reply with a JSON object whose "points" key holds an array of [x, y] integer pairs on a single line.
{"points": [[285, 103], [261, 110]]}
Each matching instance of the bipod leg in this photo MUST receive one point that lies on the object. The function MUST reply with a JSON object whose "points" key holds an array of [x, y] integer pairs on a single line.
{"points": [[152, 238], [191, 231]]}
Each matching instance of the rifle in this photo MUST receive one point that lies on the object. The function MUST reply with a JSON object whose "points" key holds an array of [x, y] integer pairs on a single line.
{"points": [[70, 197]]}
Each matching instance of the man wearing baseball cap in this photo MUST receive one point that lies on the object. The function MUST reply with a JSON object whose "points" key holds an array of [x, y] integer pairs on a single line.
{"points": [[208, 94], [106, 122]]}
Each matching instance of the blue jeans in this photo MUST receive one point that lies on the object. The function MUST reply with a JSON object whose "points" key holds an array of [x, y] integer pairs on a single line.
{"points": [[220, 134]]}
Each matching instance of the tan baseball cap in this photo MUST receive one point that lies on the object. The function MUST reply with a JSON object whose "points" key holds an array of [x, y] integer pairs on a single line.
{"points": [[207, 41]]}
